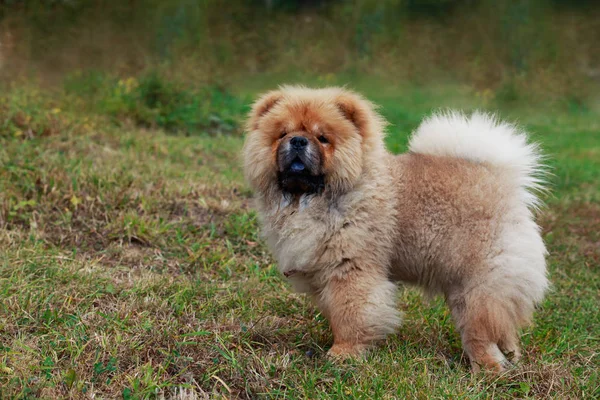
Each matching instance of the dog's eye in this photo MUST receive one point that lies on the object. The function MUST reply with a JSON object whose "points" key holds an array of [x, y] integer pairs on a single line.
{"points": [[323, 139], [282, 134]]}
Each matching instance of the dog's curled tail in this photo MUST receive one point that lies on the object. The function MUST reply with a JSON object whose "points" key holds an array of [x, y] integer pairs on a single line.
{"points": [[482, 138]]}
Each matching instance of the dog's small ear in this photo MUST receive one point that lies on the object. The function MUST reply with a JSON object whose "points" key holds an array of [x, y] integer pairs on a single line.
{"points": [[262, 106], [355, 109]]}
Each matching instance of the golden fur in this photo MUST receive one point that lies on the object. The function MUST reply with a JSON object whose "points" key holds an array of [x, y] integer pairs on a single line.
{"points": [[454, 219]]}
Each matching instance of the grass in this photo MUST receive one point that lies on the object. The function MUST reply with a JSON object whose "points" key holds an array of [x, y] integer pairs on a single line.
{"points": [[131, 267]]}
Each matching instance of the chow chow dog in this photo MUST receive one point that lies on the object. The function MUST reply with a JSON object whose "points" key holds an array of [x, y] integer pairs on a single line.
{"points": [[347, 220]]}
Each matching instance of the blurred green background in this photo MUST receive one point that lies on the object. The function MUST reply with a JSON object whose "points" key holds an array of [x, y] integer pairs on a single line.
{"points": [[187, 54]]}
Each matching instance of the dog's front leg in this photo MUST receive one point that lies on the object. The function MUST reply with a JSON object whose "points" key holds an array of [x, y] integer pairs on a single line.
{"points": [[360, 306]]}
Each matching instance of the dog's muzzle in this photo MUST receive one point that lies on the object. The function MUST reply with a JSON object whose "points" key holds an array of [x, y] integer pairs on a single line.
{"points": [[299, 166]]}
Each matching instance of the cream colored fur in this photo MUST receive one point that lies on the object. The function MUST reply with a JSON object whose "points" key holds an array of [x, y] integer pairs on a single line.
{"points": [[454, 215]]}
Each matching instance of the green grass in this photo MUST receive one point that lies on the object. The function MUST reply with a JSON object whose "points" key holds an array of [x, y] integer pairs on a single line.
{"points": [[131, 267]]}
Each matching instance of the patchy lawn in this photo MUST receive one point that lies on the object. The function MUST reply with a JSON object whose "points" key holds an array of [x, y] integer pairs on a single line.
{"points": [[131, 267]]}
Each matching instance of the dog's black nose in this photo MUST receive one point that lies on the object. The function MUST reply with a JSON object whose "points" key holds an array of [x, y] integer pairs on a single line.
{"points": [[299, 142]]}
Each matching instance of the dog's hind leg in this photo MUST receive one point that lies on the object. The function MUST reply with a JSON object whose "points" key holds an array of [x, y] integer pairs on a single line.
{"points": [[493, 304], [509, 345], [484, 324]]}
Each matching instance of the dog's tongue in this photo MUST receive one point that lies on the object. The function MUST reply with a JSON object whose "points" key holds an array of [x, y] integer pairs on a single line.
{"points": [[297, 166]]}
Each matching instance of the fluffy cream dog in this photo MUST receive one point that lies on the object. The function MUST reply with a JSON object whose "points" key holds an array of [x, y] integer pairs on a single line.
{"points": [[345, 219]]}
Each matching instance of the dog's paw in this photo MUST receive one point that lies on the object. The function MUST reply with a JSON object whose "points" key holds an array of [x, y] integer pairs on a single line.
{"points": [[347, 351], [493, 367]]}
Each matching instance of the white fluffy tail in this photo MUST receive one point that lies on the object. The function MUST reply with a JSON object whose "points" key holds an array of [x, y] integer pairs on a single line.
{"points": [[483, 138]]}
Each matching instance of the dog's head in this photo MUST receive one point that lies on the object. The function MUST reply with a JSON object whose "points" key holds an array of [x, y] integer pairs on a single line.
{"points": [[304, 140]]}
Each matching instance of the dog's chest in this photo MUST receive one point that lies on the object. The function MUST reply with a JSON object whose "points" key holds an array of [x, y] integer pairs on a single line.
{"points": [[298, 235]]}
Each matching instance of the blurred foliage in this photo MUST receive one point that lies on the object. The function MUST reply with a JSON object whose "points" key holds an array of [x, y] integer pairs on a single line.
{"points": [[155, 102], [538, 48], [28, 111]]}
